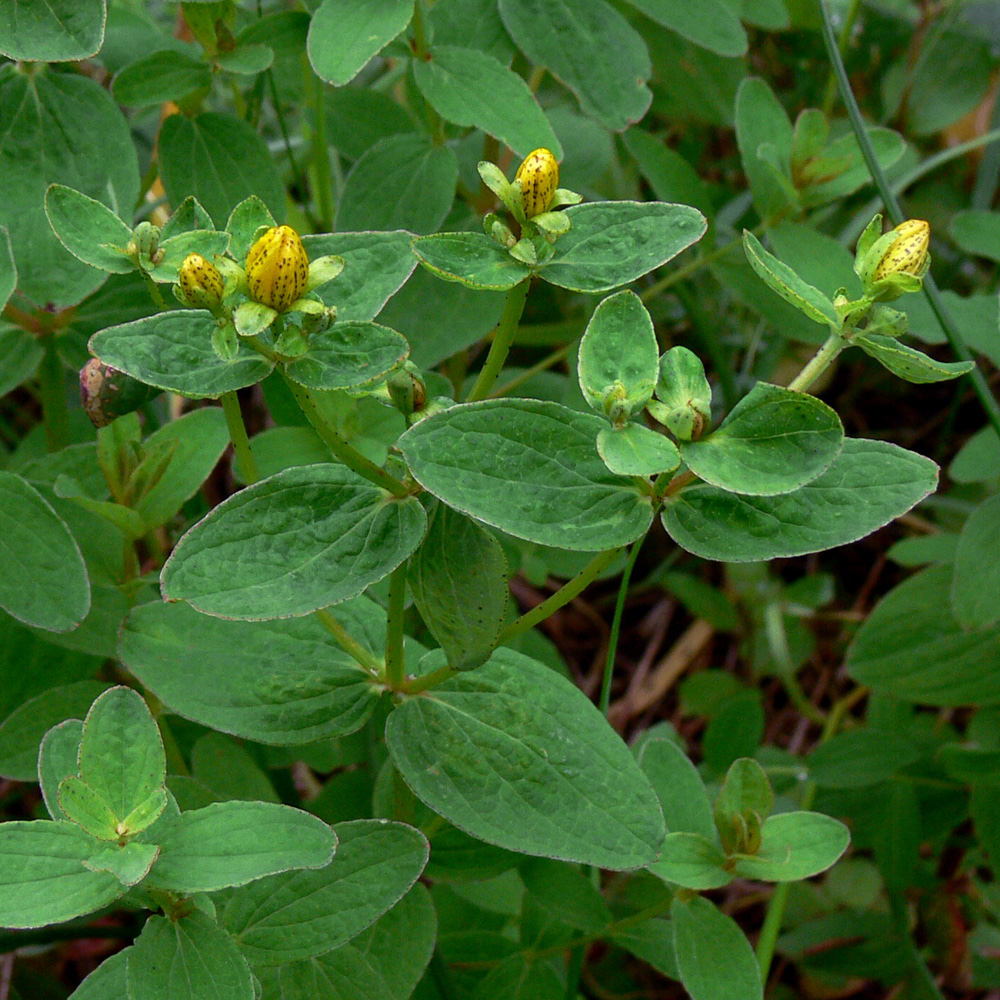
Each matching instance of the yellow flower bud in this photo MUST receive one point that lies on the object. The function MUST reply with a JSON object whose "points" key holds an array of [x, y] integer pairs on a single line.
{"points": [[539, 177], [277, 268], [200, 281], [907, 254]]}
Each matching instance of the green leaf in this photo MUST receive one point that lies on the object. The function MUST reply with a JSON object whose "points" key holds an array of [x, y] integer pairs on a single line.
{"points": [[249, 558], [345, 34], [300, 915], [21, 733], [794, 846], [530, 468], [566, 893], [42, 876], [376, 265], [714, 958], [760, 120], [671, 177], [652, 941], [384, 962], [20, 352], [107, 981], [57, 759], [233, 843], [612, 243], [685, 393], [861, 758], [679, 788], [912, 648], [201, 438], [692, 861], [977, 232], [772, 442], [869, 484], [173, 351], [889, 146], [190, 958], [63, 128], [82, 805], [129, 863], [56, 31], [121, 753], [975, 588], [162, 76], [712, 24], [458, 578], [572, 40], [348, 354], [401, 182], [284, 682], [637, 451], [746, 789], [471, 88], [619, 348], [219, 159], [782, 279], [518, 756], [43, 578], [88, 229], [907, 363], [470, 258]]}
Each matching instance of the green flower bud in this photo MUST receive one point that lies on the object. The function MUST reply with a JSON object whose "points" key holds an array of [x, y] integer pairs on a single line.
{"points": [[277, 268], [200, 282], [539, 178]]}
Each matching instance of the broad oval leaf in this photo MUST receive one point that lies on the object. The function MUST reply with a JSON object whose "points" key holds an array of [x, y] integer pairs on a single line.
{"points": [[43, 578], [691, 860], [530, 468], [348, 354], [283, 682], [516, 755], [612, 243], [376, 266], [88, 229], [869, 484], [572, 39], [232, 843], [773, 442], [190, 958], [636, 450], [42, 876], [297, 915], [345, 34], [712, 24], [55, 31], [161, 76], [303, 539], [173, 351], [975, 589], [912, 648], [63, 128], [714, 957], [472, 259], [471, 88], [794, 846]]}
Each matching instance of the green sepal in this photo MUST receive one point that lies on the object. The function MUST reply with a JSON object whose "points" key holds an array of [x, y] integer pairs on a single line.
{"points": [[685, 394], [253, 318], [324, 269], [225, 341]]}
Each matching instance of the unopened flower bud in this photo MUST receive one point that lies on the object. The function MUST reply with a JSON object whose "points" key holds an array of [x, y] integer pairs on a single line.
{"points": [[539, 177], [277, 268], [200, 281], [907, 254], [107, 393]]}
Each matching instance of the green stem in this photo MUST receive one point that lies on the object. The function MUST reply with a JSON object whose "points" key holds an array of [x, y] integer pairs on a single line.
{"points": [[347, 454], [246, 464], [616, 624], [842, 42], [561, 597], [349, 644], [820, 361], [502, 340], [320, 152], [979, 384], [395, 666], [427, 681], [154, 291], [778, 641], [52, 388]]}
